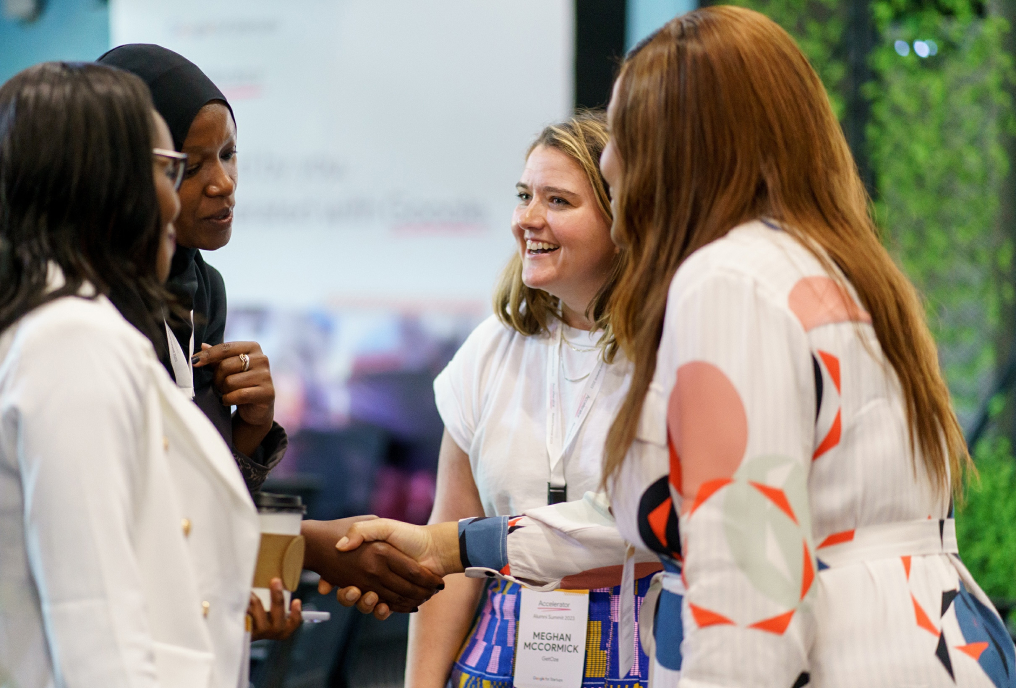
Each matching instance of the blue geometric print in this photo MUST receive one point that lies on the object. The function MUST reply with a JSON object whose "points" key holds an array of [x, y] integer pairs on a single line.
{"points": [[669, 631], [980, 624]]}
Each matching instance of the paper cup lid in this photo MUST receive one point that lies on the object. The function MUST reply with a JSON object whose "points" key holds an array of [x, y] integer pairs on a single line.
{"points": [[268, 501]]}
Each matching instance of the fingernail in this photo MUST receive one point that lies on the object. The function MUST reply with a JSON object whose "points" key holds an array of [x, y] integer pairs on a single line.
{"points": [[342, 543], [351, 595], [195, 358], [440, 586]]}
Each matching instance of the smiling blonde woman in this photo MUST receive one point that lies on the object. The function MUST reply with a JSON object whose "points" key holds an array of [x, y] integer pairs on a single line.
{"points": [[526, 403]]}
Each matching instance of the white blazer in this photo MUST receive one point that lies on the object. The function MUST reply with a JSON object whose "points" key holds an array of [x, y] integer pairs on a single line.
{"points": [[127, 537]]}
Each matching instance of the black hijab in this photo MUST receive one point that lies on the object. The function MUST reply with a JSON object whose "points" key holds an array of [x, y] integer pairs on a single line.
{"points": [[179, 88], [179, 91]]}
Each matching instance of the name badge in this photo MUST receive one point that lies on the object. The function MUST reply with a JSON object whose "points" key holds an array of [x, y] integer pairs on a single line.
{"points": [[551, 647]]}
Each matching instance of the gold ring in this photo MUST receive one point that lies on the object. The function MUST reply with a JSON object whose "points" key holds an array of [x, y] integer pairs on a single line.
{"points": [[245, 360]]}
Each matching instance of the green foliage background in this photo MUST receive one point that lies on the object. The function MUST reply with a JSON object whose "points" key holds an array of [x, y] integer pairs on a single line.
{"points": [[936, 144], [985, 526]]}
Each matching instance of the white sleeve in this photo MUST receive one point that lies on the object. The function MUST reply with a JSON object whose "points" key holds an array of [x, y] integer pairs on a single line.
{"points": [[742, 420], [458, 389], [569, 545], [79, 398]]}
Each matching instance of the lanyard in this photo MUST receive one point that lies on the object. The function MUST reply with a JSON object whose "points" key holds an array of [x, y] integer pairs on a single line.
{"points": [[183, 368], [558, 446]]}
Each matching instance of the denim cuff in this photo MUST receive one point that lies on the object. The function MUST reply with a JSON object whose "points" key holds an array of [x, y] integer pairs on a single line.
{"points": [[483, 542]]}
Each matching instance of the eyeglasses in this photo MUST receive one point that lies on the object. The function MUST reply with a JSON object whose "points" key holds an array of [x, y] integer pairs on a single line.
{"points": [[176, 165]]}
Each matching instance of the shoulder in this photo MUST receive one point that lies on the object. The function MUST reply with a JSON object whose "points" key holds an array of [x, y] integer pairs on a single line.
{"points": [[72, 322], [493, 331], [81, 339], [490, 338], [751, 257], [482, 358]]}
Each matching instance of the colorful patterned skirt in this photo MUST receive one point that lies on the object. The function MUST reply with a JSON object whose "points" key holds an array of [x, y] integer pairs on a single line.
{"points": [[488, 655]]}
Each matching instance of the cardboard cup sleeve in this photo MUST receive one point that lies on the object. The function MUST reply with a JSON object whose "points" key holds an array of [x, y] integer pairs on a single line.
{"points": [[280, 556]]}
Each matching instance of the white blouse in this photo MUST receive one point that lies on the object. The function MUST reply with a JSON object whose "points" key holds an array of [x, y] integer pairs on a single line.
{"points": [[493, 399]]}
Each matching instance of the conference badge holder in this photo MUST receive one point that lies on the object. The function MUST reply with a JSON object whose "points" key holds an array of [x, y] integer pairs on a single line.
{"points": [[550, 649]]}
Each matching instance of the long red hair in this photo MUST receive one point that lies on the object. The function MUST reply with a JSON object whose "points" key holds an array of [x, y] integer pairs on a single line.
{"points": [[719, 119]]}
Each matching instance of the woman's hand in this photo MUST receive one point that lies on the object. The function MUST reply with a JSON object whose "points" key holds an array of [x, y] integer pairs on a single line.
{"points": [[386, 575], [351, 595], [274, 624], [436, 546], [251, 390]]}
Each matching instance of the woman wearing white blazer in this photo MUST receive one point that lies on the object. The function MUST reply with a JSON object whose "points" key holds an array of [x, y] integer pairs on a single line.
{"points": [[128, 538]]}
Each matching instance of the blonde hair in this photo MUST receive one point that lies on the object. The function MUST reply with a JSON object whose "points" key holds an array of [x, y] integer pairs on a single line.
{"points": [[528, 311], [720, 120]]}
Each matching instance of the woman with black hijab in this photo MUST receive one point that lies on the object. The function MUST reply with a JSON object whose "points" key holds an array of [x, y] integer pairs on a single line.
{"points": [[215, 373], [236, 373]]}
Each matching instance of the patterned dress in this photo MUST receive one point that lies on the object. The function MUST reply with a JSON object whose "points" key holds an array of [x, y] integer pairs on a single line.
{"points": [[486, 660], [565, 546], [812, 548]]}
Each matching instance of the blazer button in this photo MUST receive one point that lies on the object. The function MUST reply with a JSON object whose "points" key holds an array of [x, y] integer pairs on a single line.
{"points": [[185, 524], [165, 443], [205, 606]]}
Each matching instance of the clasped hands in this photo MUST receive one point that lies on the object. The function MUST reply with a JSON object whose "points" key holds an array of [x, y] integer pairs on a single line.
{"points": [[381, 565], [371, 573]]}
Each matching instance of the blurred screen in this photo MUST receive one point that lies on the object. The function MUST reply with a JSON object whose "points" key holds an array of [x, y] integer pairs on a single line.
{"points": [[379, 140]]}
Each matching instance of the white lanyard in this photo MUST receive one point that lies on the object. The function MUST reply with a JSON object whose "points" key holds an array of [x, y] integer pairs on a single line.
{"points": [[556, 446], [183, 367]]}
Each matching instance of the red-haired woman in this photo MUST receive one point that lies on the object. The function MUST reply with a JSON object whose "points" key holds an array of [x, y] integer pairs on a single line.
{"points": [[786, 395]]}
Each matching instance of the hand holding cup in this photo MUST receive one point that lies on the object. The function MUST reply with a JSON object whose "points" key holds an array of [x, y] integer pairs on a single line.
{"points": [[274, 623]]}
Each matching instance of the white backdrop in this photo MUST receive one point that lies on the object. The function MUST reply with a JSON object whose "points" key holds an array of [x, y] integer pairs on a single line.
{"points": [[379, 140]]}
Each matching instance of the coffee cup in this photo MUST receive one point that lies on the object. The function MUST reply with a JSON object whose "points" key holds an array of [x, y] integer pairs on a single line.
{"points": [[282, 546]]}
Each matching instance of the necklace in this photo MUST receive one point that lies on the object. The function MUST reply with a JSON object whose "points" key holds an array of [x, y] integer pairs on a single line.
{"points": [[573, 379], [579, 349], [583, 351]]}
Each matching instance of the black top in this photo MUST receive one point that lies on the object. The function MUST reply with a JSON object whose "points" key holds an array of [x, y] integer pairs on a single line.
{"points": [[199, 287]]}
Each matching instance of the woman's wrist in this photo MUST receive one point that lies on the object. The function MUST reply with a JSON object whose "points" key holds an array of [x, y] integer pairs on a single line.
{"points": [[445, 537], [247, 437], [312, 532], [320, 538]]}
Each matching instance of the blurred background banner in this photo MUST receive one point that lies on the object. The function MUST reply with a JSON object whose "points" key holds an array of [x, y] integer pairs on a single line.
{"points": [[379, 141], [379, 145]]}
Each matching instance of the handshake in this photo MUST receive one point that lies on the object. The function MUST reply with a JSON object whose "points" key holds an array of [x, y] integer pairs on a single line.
{"points": [[380, 565]]}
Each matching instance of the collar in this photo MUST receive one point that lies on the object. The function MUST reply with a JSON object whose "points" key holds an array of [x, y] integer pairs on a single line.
{"points": [[55, 280]]}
